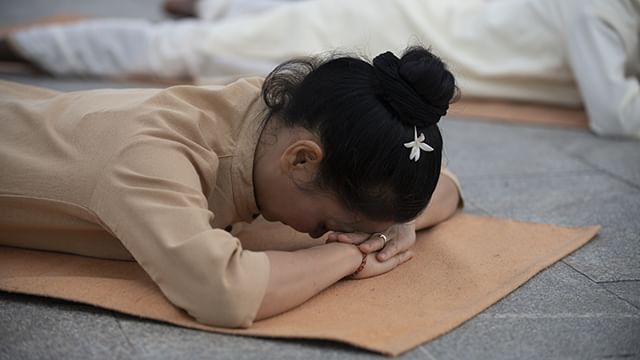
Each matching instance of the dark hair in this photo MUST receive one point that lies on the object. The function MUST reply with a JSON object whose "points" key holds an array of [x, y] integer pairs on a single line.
{"points": [[364, 113]]}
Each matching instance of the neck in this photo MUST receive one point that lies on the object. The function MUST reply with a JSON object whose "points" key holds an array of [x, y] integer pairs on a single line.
{"points": [[270, 177], [265, 163]]}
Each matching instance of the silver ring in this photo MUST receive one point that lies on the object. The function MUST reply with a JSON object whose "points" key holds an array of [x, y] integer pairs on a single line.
{"points": [[383, 237]]}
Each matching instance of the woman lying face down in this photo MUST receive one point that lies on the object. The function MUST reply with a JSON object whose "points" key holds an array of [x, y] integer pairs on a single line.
{"points": [[354, 148], [341, 147]]}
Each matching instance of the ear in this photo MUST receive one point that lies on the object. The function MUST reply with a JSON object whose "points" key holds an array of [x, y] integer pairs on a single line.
{"points": [[301, 160]]}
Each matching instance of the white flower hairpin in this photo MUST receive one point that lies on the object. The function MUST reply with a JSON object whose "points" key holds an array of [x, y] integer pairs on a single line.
{"points": [[416, 145]]}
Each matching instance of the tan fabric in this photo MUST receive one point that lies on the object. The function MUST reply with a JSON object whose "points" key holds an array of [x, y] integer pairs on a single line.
{"points": [[160, 171], [146, 174], [460, 267]]}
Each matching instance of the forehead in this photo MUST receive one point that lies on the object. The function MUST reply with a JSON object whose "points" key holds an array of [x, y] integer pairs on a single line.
{"points": [[343, 219]]}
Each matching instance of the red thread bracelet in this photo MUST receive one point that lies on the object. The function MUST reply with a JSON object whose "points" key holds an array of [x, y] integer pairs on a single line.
{"points": [[362, 264]]}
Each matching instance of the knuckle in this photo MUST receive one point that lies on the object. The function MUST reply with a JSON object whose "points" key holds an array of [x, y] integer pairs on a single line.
{"points": [[394, 246]]}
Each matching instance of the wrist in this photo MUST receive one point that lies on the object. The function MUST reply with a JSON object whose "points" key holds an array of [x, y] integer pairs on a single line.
{"points": [[351, 256], [363, 263]]}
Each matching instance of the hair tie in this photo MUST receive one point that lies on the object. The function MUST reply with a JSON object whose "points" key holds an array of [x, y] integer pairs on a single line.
{"points": [[399, 93]]}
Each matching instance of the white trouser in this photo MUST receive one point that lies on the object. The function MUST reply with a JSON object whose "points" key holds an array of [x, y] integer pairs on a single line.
{"points": [[519, 49], [224, 9]]}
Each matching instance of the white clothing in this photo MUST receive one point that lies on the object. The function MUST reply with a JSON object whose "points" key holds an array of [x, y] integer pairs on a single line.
{"points": [[519, 49], [224, 9]]}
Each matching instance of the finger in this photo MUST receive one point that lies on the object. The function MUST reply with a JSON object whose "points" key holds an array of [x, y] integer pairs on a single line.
{"points": [[373, 244], [374, 267], [352, 238], [402, 258], [397, 260], [332, 236], [390, 250]]}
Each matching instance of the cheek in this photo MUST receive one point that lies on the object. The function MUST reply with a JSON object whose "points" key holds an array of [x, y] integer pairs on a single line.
{"points": [[298, 210], [303, 221], [304, 210]]}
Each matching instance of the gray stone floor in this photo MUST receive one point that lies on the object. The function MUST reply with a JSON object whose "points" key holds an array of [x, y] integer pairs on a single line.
{"points": [[586, 306]]}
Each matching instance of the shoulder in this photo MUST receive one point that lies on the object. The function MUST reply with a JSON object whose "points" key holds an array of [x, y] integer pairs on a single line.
{"points": [[147, 163]]}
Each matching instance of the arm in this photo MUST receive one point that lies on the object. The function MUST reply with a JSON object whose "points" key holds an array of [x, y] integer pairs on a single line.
{"points": [[601, 41], [159, 212], [444, 202], [298, 276], [446, 199]]}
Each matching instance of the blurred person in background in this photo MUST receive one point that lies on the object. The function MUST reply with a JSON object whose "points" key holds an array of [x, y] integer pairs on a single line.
{"points": [[570, 53]]}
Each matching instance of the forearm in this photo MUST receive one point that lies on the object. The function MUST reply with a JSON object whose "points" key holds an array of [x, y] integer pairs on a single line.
{"points": [[443, 204], [299, 275]]}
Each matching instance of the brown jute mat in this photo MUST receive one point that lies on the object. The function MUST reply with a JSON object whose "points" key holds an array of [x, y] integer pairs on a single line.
{"points": [[460, 268], [520, 113]]}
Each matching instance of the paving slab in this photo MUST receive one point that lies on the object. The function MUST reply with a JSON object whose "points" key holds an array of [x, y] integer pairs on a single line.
{"points": [[41, 328], [612, 256], [484, 149], [579, 338], [627, 290], [159, 341], [561, 292], [616, 156], [558, 314], [573, 199]]}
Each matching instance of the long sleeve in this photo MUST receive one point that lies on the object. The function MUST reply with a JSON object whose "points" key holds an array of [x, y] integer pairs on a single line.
{"points": [[603, 43], [152, 199], [153, 174]]}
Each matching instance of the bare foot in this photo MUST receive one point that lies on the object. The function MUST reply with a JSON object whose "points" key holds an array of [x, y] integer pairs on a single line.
{"points": [[180, 8], [8, 53]]}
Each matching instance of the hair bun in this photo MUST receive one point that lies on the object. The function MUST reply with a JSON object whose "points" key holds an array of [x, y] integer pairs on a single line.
{"points": [[418, 87]]}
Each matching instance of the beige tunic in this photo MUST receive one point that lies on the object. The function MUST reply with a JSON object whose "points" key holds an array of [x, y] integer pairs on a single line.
{"points": [[147, 174], [163, 171]]}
